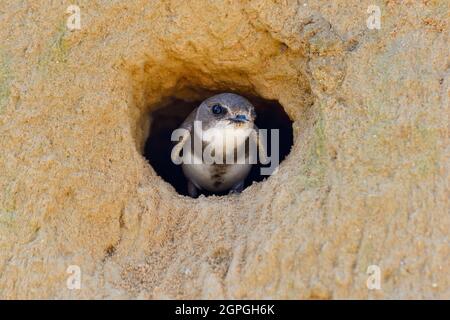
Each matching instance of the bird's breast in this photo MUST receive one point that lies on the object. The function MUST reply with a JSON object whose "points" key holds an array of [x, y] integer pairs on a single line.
{"points": [[219, 172]]}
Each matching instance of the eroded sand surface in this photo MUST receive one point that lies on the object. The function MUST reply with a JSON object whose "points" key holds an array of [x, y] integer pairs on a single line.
{"points": [[366, 182]]}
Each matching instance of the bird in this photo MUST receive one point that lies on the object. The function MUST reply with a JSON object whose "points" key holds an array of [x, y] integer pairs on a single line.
{"points": [[228, 125]]}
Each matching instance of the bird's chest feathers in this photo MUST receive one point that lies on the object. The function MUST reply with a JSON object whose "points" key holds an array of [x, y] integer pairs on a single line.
{"points": [[221, 150], [226, 140]]}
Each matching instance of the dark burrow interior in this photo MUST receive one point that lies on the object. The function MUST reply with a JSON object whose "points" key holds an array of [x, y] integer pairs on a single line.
{"points": [[169, 116]]}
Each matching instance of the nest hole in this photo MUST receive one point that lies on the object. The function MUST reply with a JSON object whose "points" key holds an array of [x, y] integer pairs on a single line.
{"points": [[168, 116]]}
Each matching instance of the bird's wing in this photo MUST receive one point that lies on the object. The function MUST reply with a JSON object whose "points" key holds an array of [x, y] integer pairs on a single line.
{"points": [[188, 125]]}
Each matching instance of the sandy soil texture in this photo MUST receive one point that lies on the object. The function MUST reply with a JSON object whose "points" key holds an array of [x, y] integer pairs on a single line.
{"points": [[366, 181]]}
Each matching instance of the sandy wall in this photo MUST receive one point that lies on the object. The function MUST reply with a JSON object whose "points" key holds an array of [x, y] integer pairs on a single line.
{"points": [[366, 182]]}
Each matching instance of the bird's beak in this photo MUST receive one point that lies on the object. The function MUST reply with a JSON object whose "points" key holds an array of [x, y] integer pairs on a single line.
{"points": [[239, 118]]}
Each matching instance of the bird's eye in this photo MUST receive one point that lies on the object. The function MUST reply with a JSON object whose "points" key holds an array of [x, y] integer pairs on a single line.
{"points": [[217, 109]]}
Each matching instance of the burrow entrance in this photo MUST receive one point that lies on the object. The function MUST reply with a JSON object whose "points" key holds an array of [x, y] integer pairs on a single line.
{"points": [[169, 115]]}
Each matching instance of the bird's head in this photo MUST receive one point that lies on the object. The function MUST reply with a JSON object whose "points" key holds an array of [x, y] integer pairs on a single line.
{"points": [[226, 110]]}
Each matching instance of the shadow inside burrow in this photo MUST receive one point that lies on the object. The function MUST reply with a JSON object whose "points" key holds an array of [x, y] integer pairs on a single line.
{"points": [[164, 119]]}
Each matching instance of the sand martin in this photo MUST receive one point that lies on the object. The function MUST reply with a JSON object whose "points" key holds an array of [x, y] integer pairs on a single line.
{"points": [[227, 132]]}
